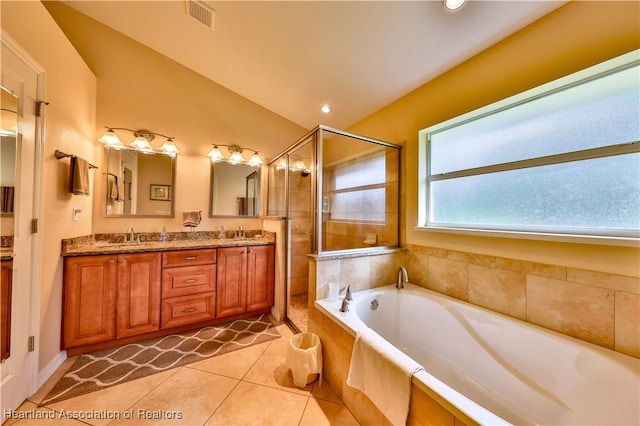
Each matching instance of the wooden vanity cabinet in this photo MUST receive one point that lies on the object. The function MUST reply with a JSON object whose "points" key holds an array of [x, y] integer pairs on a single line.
{"points": [[260, 277], [188, 287], [245, 279], [6, 278], [89, 300], [232, 281], [109, 297], [122, 298], [138, 294]]}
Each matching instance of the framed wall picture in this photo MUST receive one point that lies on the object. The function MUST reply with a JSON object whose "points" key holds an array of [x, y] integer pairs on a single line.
{"points": [[160, 192]]}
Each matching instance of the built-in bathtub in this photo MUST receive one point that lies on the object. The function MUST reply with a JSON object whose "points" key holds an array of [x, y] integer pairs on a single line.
{"points": [[495, 369]]}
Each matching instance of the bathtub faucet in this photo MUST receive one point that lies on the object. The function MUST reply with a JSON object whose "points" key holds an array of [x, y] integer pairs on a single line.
{"points": [[402, 277]]}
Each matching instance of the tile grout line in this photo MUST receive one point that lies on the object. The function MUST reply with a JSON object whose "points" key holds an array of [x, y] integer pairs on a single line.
{"points": [[222, 402], [149, 393]]}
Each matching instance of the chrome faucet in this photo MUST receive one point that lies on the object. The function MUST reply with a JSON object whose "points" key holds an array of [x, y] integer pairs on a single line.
{"points": [[347, 295], [132, 236], [347, 298], [402, 277], [240, 232]]}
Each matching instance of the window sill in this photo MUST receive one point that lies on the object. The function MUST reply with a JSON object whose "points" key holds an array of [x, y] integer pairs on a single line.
{"points": [[540, 236]]}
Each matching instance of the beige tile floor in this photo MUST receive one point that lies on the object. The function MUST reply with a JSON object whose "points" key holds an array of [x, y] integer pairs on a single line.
{"points": [[250, 386]]}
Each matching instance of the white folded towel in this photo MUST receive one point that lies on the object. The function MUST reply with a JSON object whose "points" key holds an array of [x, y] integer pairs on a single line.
{"points": [[383, 373]]}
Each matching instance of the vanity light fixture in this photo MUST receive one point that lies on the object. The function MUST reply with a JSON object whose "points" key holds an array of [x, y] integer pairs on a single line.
{"points": [[141, 142], [453, 5], [235, 155]]}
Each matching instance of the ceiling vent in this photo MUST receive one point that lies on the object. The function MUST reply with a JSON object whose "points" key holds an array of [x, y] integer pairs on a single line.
{"points": [[201, 11]]}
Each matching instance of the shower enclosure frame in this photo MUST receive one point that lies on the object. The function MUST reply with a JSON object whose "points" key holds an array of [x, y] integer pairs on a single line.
{"points": [[316, 138]]}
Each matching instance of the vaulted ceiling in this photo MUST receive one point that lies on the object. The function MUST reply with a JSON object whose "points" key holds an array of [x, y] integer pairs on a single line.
{"points": [[293, 57]]}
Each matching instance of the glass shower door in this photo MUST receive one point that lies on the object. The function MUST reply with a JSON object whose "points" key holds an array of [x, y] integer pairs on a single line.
{"points": [[300, 230]]}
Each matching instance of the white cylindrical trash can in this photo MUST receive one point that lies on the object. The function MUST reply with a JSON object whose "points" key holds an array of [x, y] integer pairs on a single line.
{"points": [[304, 358]]}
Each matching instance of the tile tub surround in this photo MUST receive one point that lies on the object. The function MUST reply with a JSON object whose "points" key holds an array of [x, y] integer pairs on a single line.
{"points": [[337, 348], [600, 308], [597, 307], [113, 243]]}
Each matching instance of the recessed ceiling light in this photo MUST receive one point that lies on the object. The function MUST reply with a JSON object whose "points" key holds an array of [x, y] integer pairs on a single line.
{"points": [[453, 5], [326, 109]]}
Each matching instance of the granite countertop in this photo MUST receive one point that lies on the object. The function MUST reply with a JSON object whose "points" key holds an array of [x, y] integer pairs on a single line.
{"points": [[109, 244], [6, 253]]}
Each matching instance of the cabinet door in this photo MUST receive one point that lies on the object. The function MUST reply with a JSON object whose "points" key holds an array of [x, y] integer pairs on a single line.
{"points": [[138, 306], [89, 300], [231, 283], [260, 277]]}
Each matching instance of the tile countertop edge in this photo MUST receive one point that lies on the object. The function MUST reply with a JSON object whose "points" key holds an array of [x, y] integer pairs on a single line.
{"points": [[87, 245]]}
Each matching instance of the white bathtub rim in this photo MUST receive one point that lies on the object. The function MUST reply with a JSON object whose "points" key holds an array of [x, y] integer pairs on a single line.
{"points": [[455, 402], [459, 405]]}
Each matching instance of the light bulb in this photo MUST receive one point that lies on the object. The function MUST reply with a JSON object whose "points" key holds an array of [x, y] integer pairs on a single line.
{"points": [[236, 158], [169, 147], [255, 160], [110, 138], [215, 154]]}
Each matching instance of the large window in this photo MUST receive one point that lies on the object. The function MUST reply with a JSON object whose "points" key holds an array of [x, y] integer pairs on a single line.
{"points": [[563, 158]]}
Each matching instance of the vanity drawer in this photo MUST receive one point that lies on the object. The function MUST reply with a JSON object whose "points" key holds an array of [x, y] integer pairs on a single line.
{"points": [[185, 310], [188, 280], [171, 259]]}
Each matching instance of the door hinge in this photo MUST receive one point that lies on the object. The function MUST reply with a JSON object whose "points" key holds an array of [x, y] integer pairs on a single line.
{"points": [[34, 226], [39, 107], [32, 344]]}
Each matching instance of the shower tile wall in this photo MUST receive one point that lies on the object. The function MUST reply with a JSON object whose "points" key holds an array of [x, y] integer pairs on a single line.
{"points": [[301, 231]]}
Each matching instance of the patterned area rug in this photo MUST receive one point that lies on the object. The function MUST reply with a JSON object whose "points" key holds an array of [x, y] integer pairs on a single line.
{"points": [[110, 367]]}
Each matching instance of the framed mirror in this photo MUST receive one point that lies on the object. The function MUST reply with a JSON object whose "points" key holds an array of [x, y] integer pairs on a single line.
{"points": [[139, 184], [235, 190]]}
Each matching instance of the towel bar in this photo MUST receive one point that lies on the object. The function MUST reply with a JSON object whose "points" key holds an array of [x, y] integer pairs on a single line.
{"points": [[59, 155]]}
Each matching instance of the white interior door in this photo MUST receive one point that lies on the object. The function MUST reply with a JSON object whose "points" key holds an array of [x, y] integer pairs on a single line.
{"points": [[16, 372]]}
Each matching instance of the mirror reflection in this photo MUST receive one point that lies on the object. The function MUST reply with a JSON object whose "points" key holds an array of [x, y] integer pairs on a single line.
{"points": [[8, 148], [8, 130], [235, 190], [139, 184]]}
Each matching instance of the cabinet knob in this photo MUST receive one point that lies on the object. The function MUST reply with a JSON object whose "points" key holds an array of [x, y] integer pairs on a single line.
{"points": [[112, 261]]}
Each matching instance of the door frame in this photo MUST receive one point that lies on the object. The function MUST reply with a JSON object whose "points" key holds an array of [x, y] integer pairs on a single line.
{"points": [[38, 190]]}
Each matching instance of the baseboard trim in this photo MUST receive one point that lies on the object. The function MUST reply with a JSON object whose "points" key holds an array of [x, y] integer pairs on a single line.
{"points": [[51, 368]]}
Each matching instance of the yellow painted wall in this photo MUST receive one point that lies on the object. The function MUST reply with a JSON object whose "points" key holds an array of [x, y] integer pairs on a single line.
{"points": [[573, 37], [70, 127], [140, 89]]}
